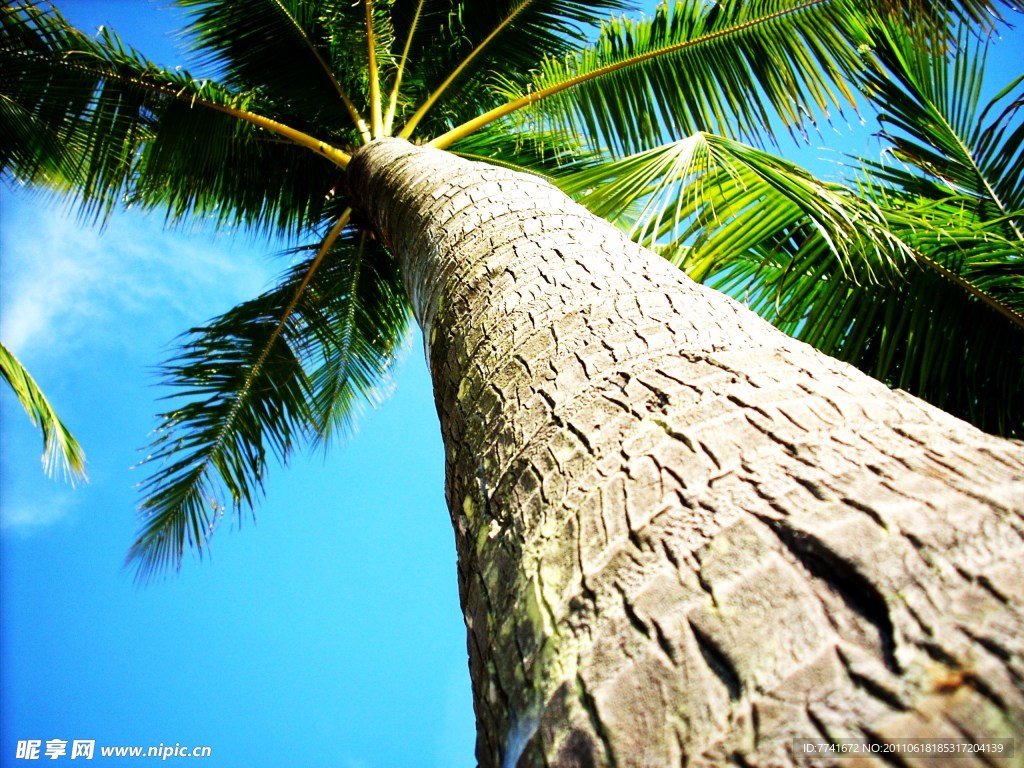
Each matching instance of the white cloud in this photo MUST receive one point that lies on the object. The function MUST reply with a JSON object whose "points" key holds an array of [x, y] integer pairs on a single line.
{"points": [[25, 517], [63, 279]]}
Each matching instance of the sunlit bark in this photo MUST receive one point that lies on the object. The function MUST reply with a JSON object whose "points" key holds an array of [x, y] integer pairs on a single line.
{"points": [[683, 537]]}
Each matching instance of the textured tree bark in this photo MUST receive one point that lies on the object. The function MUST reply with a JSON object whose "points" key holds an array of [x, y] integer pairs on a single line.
{"points": [[683, 537]]}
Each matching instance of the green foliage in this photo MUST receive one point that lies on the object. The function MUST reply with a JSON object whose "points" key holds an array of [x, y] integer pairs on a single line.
{"points": [[61, 452], [93, 119], [292, 365], [458, 48], [954, 329], [697, 66], [703, 199]]}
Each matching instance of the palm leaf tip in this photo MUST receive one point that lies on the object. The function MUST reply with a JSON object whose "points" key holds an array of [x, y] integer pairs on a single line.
{"points": [[291, 366], [61, 452]]}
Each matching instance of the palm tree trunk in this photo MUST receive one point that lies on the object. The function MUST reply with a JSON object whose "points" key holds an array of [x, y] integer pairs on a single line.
{"points": [[683, 537]]}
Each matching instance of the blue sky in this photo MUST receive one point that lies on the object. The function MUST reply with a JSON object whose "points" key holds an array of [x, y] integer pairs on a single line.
{"points": [[328, 634]]}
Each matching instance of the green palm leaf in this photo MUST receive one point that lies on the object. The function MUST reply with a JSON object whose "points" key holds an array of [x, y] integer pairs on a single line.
{"points": [[311, 44], [129, 131], [550, 154], [208, 166], [463, 43], [932, 116], [957, 197], [292, 365], [704, 198], [698, 66], [932, 332], [729, 68], [60, 449]]}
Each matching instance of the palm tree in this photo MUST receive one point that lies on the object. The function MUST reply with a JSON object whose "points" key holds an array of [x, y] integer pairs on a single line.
{"points": [[682, 535]]}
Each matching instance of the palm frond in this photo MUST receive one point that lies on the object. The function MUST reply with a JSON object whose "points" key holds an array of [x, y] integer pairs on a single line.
{"points": [[208, 166], [930, 333], [922, 297], [697, 66], [463, 43], [703, 198], [61, 452], [932, 116], [735, 69], [292, 365], [309, 76], [984, 253], [105, 106], [550, 154]]}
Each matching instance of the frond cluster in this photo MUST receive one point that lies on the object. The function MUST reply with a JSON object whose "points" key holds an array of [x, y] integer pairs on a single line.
{"points": [[643, 125], [727, 68], [291, 366]]}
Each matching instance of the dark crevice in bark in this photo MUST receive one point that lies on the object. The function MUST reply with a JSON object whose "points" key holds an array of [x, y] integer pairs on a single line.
{"points": [[923, 625], [958, 675], [661, 397], [583, 363], [924, 504], [973, 738], [631, 614], [577, 433], [787, 444], [525, 364], [718, 663], [676, 435], [815, 489], [984, 583], [679, 481], [705, 585], [872, 687], [860, 507], [789, 417], [940, 654], [771, 501], [990, 645], [576, 605], [970, 679], [817, 722], [664, 642], [619, 404], [710, 455], [858, 593], [590, 706], [669, 554]]}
